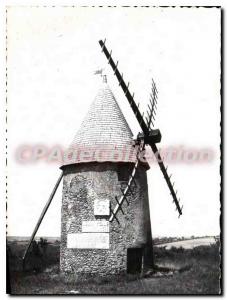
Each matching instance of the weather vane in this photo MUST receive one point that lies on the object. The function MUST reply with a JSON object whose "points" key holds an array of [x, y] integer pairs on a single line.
{"points": [[100, 72]]}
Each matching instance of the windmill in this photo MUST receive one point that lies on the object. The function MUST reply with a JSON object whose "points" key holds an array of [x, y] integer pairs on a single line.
{"points": [[105, 209]]}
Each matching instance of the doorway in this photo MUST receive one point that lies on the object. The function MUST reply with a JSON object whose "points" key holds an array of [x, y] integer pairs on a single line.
{"points": [[134, 260]]}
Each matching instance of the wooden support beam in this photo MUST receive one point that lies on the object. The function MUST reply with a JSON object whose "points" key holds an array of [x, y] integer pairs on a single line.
{"points": [[41, 217]]}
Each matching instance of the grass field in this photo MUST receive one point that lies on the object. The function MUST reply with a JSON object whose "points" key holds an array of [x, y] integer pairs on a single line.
{"points": [[187, 271], [190, 243]]}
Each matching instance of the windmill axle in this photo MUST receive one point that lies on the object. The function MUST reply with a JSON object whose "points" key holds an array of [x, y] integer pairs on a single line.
{"points": [[154, 136]]}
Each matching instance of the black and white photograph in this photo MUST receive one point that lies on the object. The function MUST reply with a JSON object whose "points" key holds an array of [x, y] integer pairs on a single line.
{"points": [[113, 165]]}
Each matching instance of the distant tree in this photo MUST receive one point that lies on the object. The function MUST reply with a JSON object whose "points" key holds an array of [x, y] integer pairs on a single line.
{"points": [[42, 244], [35, 249]]}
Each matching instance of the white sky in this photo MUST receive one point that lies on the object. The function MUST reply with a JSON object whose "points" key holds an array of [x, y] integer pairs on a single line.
{"points": [[52, 54]]}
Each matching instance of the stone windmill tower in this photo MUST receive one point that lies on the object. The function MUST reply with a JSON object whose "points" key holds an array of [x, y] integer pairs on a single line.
{"points": [[105, 209], [94, 238]]}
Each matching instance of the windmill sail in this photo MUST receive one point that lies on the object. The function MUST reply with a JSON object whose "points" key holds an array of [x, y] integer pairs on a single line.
{"points": [[152, 106], [127, 190], [125, 89], [167, 178], [151, 136]]}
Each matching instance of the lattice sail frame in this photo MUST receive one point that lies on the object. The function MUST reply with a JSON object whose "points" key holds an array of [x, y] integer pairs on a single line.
{"points": [[128, 187]]}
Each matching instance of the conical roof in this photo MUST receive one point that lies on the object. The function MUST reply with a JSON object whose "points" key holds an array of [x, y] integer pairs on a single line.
{"points": [[104, 133], [104, 123]]}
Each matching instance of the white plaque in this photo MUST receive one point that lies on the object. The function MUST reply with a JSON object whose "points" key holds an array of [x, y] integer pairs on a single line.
{"points": [[95, 226], [88, 240], [102, 207]]}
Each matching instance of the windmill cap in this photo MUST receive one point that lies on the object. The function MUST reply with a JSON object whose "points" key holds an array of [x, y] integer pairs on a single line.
{"points": [[105, 130]]}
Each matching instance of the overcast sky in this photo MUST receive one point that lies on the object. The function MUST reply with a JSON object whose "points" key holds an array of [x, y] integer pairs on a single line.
{"points": [[52, 55]]}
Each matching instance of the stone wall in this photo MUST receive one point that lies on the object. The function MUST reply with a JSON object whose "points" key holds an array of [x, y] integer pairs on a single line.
{"points": [[82, 184]]}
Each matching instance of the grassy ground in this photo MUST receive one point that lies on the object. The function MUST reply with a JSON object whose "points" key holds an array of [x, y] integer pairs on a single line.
{"points": [[191, 271]]}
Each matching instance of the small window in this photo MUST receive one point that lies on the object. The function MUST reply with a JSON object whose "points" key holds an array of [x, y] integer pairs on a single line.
{"points": [[124, 173]]}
